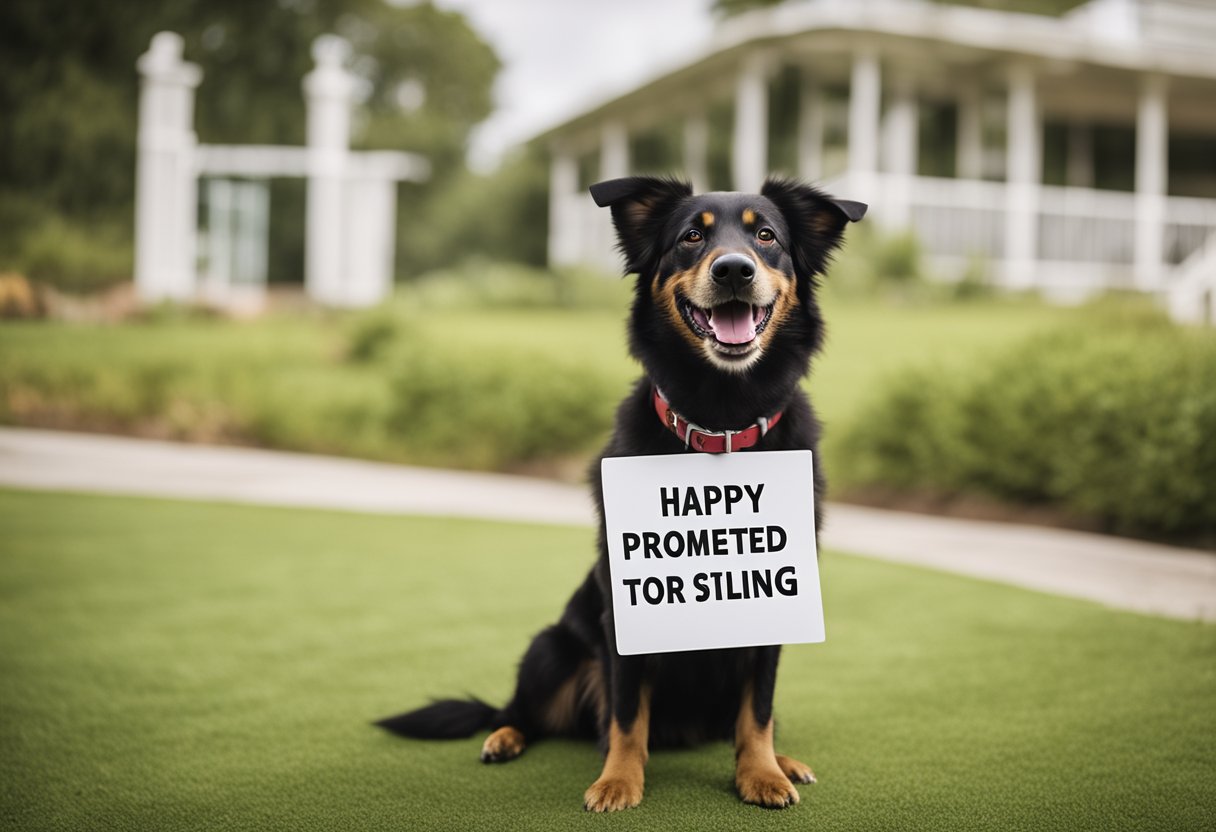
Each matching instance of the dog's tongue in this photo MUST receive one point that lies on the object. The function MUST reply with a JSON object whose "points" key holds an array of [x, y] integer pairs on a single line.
{"points": [[733, 323]]}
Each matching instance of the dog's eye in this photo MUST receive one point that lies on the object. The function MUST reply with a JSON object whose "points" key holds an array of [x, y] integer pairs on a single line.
{"points": [[765, 235], [692, 235]]}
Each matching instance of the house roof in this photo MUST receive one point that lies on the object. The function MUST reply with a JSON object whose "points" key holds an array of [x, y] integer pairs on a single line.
{"points": [[1171, 38]]}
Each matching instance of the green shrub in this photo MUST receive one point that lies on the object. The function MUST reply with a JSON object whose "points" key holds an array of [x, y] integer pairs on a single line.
{"points": [[1117, 423], [898, 258], [488, 410], [483, 284], [873, 262], [975, 281], [370, 335], [76, 257]]}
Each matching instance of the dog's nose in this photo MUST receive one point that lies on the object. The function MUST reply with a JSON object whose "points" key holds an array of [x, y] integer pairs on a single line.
{"points": [[734, 270]]}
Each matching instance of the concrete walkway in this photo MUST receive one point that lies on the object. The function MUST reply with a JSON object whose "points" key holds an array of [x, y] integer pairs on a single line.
{"points": [[1127, 574]]}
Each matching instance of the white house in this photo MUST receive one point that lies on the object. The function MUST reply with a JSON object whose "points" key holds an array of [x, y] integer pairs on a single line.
{"points": [[1076, 153]]}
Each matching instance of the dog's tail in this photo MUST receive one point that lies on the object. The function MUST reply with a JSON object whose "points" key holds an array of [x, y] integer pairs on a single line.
{"points": [[444, 719]]}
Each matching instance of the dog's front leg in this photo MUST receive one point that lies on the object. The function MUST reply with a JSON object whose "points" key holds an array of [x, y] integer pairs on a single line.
{"points": [[620, 783], [758, 774]]}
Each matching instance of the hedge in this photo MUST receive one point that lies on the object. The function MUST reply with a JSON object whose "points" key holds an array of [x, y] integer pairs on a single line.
{"points": [[1114, 423]]}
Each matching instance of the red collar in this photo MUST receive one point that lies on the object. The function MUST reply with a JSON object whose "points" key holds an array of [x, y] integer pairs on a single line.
{"points": [[711, 441]]}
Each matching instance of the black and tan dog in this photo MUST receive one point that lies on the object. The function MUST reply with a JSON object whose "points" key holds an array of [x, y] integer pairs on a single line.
{"points": [[724, 323]]}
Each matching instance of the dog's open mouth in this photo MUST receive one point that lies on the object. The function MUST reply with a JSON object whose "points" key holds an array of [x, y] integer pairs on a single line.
{"points": [[733, 326]]}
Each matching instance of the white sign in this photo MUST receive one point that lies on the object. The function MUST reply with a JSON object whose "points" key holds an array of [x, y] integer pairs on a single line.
{"points": [[712, 550]]}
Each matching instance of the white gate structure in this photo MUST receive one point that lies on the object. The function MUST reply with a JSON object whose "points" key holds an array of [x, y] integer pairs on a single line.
{"points": [[351, 200]]}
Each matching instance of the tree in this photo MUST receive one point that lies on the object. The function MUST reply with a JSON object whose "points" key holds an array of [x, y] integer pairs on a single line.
{"points": [[69, 91], [726, 8]]}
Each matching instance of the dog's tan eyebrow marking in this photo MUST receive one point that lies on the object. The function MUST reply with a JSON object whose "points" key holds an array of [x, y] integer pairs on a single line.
{"points": [[707, 219], [749, 216]]}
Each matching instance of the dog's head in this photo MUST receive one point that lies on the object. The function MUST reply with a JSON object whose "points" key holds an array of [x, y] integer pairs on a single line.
{"points": [[726, 278]]}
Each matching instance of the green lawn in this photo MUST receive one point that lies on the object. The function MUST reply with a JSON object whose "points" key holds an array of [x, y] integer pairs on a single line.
{"points": [[169, 665]]}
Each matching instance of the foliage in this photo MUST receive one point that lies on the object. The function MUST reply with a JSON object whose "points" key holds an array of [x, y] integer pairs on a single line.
{"points": [[1112, 420], [485, 284], [75, 257], [330, 383], [488, 411], [727, 8], [68, 90], [500, 216], [873, 262]]}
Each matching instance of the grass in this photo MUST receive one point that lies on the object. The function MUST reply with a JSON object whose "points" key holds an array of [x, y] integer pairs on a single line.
{"points": [[171, 665], [289, 382]]}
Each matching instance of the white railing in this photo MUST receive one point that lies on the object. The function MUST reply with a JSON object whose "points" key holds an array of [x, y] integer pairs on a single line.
{"points": [[1189, 225], [955, 218], [1081, 225], [1084, 238], [1191, 295]]}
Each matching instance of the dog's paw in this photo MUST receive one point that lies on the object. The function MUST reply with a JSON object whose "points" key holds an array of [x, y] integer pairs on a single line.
{"points": [[796, 771], [768, 787], [506, 743], [612, 794]]}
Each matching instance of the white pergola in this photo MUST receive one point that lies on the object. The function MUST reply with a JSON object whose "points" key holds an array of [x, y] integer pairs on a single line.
{"points": [[351, 202], [1151, 65]]}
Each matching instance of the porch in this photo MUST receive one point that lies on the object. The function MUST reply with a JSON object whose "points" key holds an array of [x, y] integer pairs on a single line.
{"points": [[1072, 153]]}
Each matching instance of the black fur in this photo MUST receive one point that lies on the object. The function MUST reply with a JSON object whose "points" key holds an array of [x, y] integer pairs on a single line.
{"points": [[695, 696], [445, 719]]}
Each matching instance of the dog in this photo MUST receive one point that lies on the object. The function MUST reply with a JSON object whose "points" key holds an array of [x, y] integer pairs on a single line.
{"points": [[724, 323]]}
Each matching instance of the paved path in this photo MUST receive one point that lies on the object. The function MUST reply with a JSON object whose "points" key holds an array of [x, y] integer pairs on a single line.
{"points": [[1127, 574]]}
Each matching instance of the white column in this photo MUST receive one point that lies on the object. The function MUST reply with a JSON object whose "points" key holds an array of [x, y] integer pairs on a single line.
{"points": [[1023, 175], [368, 240], [166, 184], [810, 129], [614, 151], [749, 149], [1152, 176], [563, 207], [696, 151], [900, 140], [969, 162], [865, 103], [329, 90]]}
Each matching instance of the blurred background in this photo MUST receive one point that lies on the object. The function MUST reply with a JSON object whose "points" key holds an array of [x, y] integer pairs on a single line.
{"points": [[361, 228]]}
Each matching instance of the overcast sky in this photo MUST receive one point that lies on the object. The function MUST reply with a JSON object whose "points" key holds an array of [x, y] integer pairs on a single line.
{"points": [[559, 55]]}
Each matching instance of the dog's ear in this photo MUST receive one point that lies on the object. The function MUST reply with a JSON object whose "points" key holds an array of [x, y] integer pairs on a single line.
{"points": [[640, 206], [816, 221]]}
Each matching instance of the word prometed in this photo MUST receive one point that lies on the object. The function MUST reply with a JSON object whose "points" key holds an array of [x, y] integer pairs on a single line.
{"points": [[695, 543]]}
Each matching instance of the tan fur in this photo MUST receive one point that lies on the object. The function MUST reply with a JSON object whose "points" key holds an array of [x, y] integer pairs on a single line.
{"points": [[707, 219], [621, 783], [749, 216], [585, 685], [682, 283], [594, 691], [562, 708], [796, 771], [696, 284], [506, 743], [758, 776]]}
